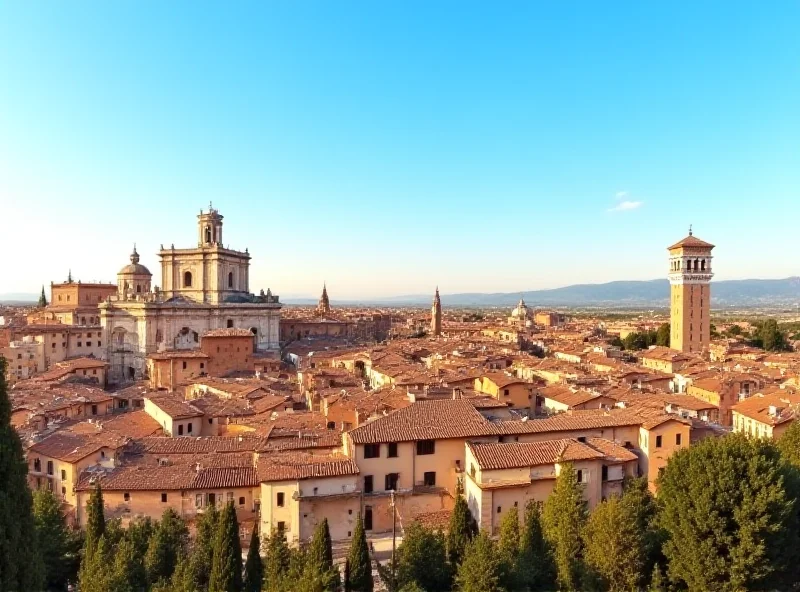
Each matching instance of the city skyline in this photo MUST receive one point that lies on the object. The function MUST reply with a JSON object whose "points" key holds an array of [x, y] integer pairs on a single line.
{"points": [[545, 146]]}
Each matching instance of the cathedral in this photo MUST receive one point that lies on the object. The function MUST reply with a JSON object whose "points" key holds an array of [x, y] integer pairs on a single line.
{"points": [[203, 288]]}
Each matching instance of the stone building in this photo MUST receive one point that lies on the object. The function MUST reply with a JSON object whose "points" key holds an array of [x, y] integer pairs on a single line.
{"points": [[436, 315], [690, 294], [204, 288]]}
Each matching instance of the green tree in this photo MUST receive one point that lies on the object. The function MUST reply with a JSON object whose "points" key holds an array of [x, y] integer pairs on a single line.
{"points": [[95, 530], [57, 544], [657, 583], [662, 336], [127, 573], [253, 568], [789, 444], [613, 546], [360, 563], [201, 557], [461, 528], [535, 568], [166, 546], [642, 506], [422, 559], [481, 568], [320, 558], [42, 299], [226, 570], [95, 575], [508, 549], [278, 559], [729, 508], [563, 518], [20, 561], [771, 337]]}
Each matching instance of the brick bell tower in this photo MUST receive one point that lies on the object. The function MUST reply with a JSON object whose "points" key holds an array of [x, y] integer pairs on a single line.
{"points": [[690, 294]]}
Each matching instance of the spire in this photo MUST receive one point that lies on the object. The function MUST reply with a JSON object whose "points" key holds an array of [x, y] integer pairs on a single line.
{"points": [[42, 299], [134, 255], [324, 305], [69, 277], [436, 315], [690, 230]]}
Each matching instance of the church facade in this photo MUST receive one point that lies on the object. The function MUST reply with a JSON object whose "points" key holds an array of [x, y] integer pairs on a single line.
{"points": [[206, 287]]}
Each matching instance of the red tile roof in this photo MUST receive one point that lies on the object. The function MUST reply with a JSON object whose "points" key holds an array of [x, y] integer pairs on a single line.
{"points": [[528, 454], [691, 241], [296, 466]]}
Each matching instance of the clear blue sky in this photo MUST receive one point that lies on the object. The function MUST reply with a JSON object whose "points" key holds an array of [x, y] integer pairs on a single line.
{"points": [[387, 147]]}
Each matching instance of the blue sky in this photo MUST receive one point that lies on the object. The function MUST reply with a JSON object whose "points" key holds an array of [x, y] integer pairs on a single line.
{"points": [[387, 147]]}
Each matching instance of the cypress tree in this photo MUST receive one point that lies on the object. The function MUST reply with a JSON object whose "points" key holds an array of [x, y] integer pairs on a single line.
{"points": [[253, 568], [226, 570], [95, 574], [127, 572], [202, 555], [657, 582], [360, 564], [42, 299], [346, 578], [166, 546], [320, 558], [535, 568], [20, 561], [277, 563], [460, 530], [480, 568], [94, 533], [508, 549], [56, 543], [563, 518]]}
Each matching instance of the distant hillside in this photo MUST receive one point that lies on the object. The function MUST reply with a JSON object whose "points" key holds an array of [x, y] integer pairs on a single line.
{"points": [[626, 293], [19, 298]]}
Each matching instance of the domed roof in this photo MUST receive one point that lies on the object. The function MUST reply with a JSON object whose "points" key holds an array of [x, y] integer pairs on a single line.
{"points": [[521, 311], [134, 268]]}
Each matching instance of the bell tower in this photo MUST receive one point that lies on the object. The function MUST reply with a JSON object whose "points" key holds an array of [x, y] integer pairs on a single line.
{"points": [[209, 227], [436, 315], [690, 294]]}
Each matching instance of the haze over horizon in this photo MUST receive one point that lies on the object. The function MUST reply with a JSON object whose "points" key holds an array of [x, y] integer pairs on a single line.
{"points": [[387, 149]]}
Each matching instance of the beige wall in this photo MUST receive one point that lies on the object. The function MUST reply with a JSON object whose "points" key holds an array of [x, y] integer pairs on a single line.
{"points": [[176, 428]]}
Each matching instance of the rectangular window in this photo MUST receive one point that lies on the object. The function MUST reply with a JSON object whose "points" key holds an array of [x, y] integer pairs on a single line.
{"points": [[426, 447], [63, 475], [506, 392], [198, 500], [372, 450], [184, 364], [126, 496], [368, 484], [429, 478], [94, 409], [49, 467], [367, 517], [499, 509], [281, 526], [580, 476], [392, 450], [658, 441], [390, 482], [163, 498], [241, 501], [180, 430], [280, 499], [677, 439], [605, 473], [189, 428]]}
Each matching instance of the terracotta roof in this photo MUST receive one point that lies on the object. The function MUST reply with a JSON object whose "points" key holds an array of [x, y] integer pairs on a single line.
{"points": [[170, 478], [328, 439], [298, 466], [69, 446], [691, 241], [784, 403], [136, 424], [528, 454], [205, 445], [175, 408], [613, 452]]}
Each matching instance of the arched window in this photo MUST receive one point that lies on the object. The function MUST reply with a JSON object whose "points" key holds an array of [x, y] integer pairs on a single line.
{"points": [[230, 279], [187, 279], [83, 320], [703, 265], [138, 288], [208, 235], [230, 323]]}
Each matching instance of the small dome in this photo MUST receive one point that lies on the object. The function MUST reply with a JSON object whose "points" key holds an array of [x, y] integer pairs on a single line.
{"points": [[521, 311], [134, 268]]}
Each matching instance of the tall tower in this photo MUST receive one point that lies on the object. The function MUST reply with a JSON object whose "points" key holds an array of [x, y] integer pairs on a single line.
{"points": [[436, 315], [690, 294], [209, 227], [324, 305]]}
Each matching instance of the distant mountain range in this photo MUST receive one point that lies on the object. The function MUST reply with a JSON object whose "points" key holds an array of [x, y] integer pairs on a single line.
{"points": [[783, 292]]}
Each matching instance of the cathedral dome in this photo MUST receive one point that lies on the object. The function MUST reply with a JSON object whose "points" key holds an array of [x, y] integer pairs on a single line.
{"points": [[134, 267], [521, 311]]}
